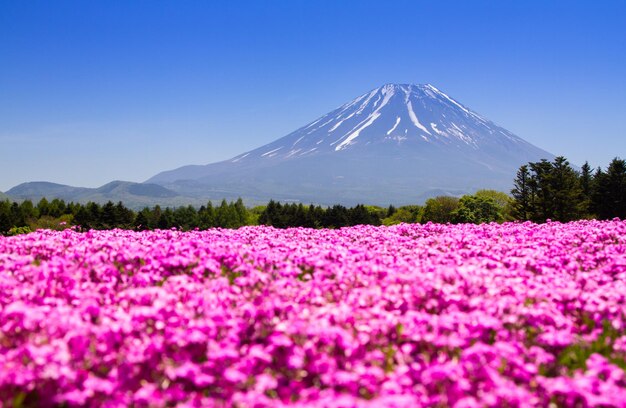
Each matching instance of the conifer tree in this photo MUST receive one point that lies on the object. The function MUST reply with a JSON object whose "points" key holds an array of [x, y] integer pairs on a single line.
{"points": [[586, 188], [522, 194]]}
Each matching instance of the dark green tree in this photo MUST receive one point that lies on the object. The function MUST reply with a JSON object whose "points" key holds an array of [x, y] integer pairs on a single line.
{"points": [[28, 209], [43, 207], [206, 216], [271, 214], [142, 220], [6, 223], [124, 217], [609, 196], [565, 190], [108, 218], [186, 218], [166, 220], [335, 217], [522, 193], [541, 190], [586, 189], [547, 190]]}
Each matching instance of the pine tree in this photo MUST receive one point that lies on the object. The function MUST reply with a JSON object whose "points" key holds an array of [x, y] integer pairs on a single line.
{"points": [[586, 187], [541, 191], [609, 196], [522, 194], [109, 215], [142, 221], [241, 213], [565, 191]]}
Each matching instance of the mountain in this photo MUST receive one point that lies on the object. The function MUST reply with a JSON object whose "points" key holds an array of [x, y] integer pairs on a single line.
{"points": [[40, 189], [134, 195], [396, 144]]}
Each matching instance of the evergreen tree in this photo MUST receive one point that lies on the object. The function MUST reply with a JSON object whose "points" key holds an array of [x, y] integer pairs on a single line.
{"points": [[155, 218], [28, 210], [83, 218], [185, 218], [609, 196], [586, 188], [6, 223], [43, 207], [565, 191], [541, 191], [166, 220], [124, 217], [270, 215], [241, 213], [358, 215], [207, 216], [108, 219], [142, 221], [56, 208], [523, 194], [335, 217]]}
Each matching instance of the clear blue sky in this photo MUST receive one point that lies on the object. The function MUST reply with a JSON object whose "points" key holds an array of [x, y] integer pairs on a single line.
{"points": [[93, 91]]}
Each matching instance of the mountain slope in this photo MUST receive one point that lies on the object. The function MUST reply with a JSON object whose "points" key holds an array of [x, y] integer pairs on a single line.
{"points": [[134, 195], [40, 189], [395, 144]]}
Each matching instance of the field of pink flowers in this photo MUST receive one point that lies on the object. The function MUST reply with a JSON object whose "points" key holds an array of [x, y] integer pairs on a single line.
{"points": [[405, 316]]}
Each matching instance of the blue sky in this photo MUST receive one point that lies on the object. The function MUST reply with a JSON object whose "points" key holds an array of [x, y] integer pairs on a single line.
{"points": [[93, 91]]}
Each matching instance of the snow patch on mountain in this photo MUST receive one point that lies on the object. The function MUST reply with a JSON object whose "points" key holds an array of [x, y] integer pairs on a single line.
{"points": [[356, 133], [394, 126], [271, 152], [414, 118]]}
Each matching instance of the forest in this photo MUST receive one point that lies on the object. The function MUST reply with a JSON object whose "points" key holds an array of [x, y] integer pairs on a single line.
{"points": [[543, 191]]}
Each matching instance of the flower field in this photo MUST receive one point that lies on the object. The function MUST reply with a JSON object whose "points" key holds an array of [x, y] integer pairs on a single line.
{"points": [[405, 316]]}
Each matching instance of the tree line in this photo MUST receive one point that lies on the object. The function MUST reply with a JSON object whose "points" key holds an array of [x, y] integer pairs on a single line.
{"points": [[544, 190], [57, 214], [554, 190]]}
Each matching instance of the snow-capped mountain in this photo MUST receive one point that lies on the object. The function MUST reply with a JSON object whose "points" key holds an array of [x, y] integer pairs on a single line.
{"points": [[395, 144]]}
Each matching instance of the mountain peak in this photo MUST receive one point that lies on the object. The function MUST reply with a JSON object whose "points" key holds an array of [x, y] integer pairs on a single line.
{"points": [[390, 115], [405, 135], [407, 87]]}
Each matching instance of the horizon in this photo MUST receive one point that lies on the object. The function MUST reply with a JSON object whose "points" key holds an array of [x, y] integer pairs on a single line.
{"points": [[100, 92]]}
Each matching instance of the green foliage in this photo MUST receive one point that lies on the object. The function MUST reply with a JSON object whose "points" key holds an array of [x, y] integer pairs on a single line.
{"points": [[440, 209], [586, 187], [548, 190], [575, 356], [254, 214], [477, 209], [553, 190], [50, 222], [297, 215], [609, 191], [406, 214], [19, 230], [503, 201]]}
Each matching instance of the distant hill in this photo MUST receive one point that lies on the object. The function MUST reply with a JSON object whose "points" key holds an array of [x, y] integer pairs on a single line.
{"points": [[397, 144], [40, 189], [134, 195]]}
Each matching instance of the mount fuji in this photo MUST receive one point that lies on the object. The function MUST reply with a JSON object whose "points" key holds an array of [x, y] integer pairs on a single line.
{"points": [[396, 144]]}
